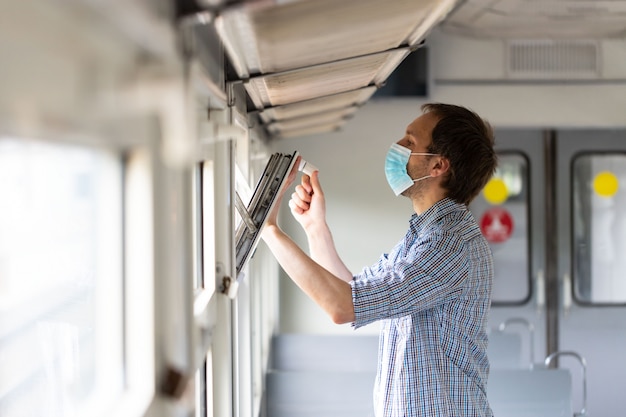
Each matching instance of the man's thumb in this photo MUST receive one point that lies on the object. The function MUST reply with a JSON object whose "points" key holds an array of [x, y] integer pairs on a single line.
{"points": [[315, 182]]}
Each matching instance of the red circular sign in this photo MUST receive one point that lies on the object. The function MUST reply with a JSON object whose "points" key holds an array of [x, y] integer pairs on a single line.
{"points": [[496, 224]]}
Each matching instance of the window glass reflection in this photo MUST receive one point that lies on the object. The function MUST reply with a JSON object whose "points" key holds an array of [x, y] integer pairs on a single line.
{"points": [[599, 228]]}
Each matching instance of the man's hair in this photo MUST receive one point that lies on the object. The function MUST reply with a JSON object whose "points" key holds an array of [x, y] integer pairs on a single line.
{"points": [[466, 140]]}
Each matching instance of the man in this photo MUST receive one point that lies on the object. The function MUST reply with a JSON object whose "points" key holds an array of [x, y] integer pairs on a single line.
{"points": [[432, 291]]}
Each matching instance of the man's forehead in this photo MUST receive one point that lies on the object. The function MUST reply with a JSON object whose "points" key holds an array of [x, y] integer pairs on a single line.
{"points": [[422, 126]]}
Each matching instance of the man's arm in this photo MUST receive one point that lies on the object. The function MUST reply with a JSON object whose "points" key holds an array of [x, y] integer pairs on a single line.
{"points": [[331, 293], [308, 207]]}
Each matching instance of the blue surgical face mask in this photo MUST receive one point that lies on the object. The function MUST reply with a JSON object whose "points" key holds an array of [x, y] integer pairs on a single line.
{"points": [[395, 168]]}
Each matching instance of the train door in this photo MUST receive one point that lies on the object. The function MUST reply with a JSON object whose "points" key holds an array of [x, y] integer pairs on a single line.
{"points": [[555, 217], [591, 219], [510, 213]]}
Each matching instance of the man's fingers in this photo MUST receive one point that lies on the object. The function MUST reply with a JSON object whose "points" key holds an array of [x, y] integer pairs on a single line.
{"points": [[299, 202], [314, 181], [303, 194], [295, 208], [306, 184], [301, 198]]}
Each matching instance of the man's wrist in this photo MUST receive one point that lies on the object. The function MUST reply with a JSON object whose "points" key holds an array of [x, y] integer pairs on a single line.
{"points": [[317, 231], [270, 229]]}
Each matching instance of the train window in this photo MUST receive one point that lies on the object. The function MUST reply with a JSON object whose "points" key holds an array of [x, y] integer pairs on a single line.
{"points": [[204, 220], [61, 298], [599, 228], [204, 389], [502, 213], [205, 284], [243, 191], [253, 208]]}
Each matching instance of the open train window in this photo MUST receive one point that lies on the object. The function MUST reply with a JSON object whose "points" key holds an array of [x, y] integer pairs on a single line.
{"points": [[61, 278], [252, 209], [501, 210], [599, 228]]}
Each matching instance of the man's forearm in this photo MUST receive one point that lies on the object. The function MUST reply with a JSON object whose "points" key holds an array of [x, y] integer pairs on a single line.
{"points": [[329, 291], [324, 252]]}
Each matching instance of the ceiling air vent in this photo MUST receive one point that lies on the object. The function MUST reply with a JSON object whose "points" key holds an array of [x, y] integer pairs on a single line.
{"points": [[553, 59]]}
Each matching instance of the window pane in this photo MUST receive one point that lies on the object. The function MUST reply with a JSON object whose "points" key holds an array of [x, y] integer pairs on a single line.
{"points": [[60, 279], [599, 228], [208, 224], [501, 210], [197, 188]]}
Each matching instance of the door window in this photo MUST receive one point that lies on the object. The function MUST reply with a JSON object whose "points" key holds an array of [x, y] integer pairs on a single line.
{"points": [[599, 228], [501, 210]]}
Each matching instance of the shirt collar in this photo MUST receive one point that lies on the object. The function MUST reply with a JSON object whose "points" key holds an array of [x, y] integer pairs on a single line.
{"points": [[434, 213]]}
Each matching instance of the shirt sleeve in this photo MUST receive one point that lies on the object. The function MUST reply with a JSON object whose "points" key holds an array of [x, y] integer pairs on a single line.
{"points": [[428, 274]]}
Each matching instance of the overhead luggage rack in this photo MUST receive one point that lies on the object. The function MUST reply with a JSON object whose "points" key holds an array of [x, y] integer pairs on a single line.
{"points": [[300, 52]]}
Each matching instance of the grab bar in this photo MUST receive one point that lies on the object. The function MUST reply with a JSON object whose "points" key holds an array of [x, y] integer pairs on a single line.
{"points": [[583, 364], [531, 334]]}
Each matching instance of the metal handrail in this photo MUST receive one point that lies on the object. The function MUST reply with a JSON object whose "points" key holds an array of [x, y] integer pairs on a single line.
{"points": [[583, 364], [531, 334]]}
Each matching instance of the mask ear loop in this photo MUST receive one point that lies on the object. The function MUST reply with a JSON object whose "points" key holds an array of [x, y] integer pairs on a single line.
{"points": [[422, 178], [425, 154]]}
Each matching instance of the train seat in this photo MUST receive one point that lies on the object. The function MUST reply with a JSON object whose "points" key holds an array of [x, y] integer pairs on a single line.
{"points": [[512, 393], [319, 393], [293, 352], [538, 392], [308, 352], [505, 350], [321, 375], [324, 375]]}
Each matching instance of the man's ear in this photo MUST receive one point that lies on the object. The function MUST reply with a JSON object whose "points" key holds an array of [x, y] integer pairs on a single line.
{"points": [[441, 167]]}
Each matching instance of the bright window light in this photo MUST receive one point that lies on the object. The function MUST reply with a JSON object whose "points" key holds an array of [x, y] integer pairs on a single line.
{"points": [[61, 332]]}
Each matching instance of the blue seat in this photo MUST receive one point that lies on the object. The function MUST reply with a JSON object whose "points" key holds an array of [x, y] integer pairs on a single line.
{"points": [[530, 393], [309, 352], [319, 394], [505, 351]]}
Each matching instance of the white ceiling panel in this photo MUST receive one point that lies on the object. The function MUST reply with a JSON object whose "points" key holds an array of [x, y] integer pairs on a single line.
{"points": [[539, 18], [558, 8]]}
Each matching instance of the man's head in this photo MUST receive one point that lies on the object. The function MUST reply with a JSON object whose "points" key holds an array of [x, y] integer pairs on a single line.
{"points": [[466, 141]]}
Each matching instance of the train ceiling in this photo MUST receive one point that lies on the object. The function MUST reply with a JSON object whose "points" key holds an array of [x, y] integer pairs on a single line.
{"points": [[308, 65], [588, 19]]}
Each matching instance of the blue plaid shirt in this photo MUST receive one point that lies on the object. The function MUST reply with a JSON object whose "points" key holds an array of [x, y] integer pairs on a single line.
{"points": [[432, 293]]}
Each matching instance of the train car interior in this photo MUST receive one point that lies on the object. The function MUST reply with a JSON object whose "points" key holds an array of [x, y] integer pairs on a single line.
{"points": [[143, 144]]}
